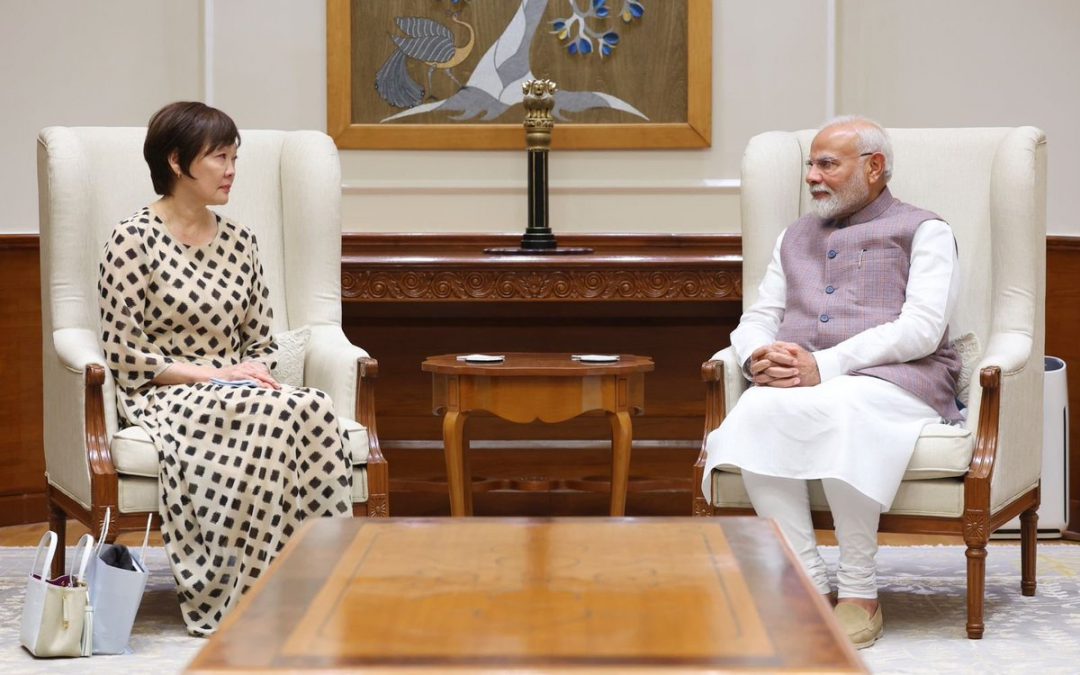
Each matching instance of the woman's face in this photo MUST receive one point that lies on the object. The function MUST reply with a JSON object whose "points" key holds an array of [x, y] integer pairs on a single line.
{"points": [[211, 177]]}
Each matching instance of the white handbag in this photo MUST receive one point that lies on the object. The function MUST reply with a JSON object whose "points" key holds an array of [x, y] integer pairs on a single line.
{"points": [[57, 618], [115, 593]]}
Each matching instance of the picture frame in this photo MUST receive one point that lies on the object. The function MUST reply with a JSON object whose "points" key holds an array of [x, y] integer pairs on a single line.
{"points": [[355, 119]]}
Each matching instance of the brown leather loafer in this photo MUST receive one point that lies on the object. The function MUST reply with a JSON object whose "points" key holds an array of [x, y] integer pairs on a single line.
{"points": [[863, 629]]}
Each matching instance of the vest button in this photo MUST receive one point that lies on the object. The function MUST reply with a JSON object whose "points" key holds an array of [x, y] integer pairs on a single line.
{"points": [[830, 290], [824, 318], [832, 254]]}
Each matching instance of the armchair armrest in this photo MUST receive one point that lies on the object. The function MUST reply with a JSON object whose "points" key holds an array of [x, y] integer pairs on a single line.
{"points": [[346, 373], [333, 364], [724, 382], [1009, 413], [1008, 351], [734, 384], [77, 348], [87, 384]]}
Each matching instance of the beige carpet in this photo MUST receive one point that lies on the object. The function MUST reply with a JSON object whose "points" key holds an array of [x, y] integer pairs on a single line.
{"points": [[923, 594]]}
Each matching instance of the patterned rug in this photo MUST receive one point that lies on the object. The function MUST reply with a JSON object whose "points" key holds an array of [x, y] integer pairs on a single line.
{"points": [[923, 594]]}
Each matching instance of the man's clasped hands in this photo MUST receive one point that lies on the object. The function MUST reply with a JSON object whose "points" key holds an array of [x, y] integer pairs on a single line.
{"points": [[783, 364]]}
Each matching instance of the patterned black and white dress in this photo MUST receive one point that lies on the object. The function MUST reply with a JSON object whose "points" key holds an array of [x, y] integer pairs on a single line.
{"points": [[239, 468]]}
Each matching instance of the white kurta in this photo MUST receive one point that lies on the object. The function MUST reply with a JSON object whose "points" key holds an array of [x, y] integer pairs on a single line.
{"points": [[858, 429]]}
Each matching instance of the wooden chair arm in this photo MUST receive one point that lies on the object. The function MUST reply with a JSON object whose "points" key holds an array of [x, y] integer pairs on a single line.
{"points": [[986, 433], [378, 474], [104, 490], [712, 373]]}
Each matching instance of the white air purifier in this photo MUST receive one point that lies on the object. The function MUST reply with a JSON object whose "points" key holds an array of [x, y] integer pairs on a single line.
{"points": [[1054, 507]]}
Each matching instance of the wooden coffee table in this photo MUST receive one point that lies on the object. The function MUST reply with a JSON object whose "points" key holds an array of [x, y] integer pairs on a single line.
{"points": [[577, 595], [529, 387]]}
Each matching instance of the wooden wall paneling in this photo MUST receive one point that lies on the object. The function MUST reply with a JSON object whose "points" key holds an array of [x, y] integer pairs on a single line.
{"points": [[1062, 329], [674, 298], [22, 459]]}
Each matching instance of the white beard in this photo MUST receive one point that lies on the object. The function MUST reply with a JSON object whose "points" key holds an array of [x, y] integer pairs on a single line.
{"points": [[846, 200]]}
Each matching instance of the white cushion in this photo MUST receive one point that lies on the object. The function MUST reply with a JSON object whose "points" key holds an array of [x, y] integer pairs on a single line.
{"points": [[134, 454], [942, 451], [942, 498], [289, 357]]}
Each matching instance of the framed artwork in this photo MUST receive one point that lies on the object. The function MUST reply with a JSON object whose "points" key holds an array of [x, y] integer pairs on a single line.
{"points": [[448, 74]]}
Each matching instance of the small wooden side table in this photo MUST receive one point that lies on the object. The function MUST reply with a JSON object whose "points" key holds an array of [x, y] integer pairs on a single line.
{"points": [[527, 387]]}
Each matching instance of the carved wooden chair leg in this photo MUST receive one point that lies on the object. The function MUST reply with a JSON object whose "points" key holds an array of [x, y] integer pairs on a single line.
{"points": [[698, 505], [58, 524], [976, 588], [1029, 521]]}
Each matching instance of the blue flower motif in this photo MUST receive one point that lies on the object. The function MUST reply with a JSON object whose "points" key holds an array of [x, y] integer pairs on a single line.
{"points": [[581, 36], [632, 9], [608, 42]]}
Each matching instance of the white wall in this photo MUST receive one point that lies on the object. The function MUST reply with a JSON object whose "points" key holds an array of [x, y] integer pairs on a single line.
{"points": [[85, 63], [927, 63], [905, 62]]}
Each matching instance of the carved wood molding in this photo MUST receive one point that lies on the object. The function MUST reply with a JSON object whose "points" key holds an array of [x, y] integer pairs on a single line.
{"points": [[550, 284], [701, 268]]}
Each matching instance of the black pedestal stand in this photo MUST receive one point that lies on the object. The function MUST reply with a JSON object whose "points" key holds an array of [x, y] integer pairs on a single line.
{"points": [[538, 238]]}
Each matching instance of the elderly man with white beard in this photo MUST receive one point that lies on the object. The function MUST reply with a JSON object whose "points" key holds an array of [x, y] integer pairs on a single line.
{"points": [[847, 347]]}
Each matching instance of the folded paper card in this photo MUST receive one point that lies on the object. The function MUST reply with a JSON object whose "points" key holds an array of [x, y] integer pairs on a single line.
{"points": [[482, 358]]}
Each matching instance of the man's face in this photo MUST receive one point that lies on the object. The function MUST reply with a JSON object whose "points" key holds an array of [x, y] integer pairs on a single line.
{"points": [[838, 179]]}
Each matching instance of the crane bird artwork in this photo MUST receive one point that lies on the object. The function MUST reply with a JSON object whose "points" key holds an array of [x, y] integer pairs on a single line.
{"points": [[495, 84], [429, 42]]}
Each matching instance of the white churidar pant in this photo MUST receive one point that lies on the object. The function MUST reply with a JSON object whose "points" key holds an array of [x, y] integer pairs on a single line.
{"points": [[855, 516], [856, 433]]}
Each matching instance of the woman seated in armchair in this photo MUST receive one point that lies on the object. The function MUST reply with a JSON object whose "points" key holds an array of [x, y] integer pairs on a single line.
{"points": [[186, 328]]}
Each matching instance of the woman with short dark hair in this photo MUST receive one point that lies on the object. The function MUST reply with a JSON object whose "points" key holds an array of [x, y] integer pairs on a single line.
{"points": [[186, 327]]}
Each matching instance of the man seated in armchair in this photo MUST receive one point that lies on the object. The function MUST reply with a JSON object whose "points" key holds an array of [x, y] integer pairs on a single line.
{"points": [[848, 348]]}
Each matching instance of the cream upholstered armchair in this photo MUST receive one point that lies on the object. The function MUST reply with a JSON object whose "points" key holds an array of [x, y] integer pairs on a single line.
{"points": [[288, 191], [990, 185]]}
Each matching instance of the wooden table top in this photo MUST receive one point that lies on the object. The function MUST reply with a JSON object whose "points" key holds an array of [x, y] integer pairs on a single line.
{"points": [[524, 364], [572, 594]]}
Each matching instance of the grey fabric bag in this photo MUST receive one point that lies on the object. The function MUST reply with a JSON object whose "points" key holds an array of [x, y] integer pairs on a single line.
{"points": [[116, 593]]}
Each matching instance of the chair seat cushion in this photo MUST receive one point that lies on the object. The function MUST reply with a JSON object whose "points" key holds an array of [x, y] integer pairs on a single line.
{"points": [[942, 451], [134, 454]]}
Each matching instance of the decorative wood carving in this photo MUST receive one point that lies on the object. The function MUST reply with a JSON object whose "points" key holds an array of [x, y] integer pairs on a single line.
{"points": [[552, 283], [976, 527], [631, 267]]}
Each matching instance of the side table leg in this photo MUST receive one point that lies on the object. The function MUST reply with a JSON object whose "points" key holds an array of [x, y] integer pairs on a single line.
{"points": [[621, 434], [456, 467]]}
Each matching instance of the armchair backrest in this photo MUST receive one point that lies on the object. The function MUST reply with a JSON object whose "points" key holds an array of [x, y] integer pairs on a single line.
{"points": [[287, 190], [990, 186]]}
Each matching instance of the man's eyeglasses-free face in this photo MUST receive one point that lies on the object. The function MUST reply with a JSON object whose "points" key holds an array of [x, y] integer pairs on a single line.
{"points": [[827, 165]]}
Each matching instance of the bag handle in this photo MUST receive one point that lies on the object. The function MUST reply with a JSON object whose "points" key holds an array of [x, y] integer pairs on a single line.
{"points": [[146, 538], [81, 556], [104, 531], [48, 546]]}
